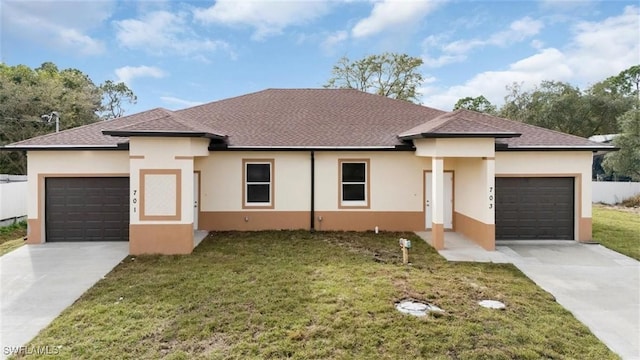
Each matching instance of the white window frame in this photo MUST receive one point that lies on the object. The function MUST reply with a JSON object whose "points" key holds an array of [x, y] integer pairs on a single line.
{"points": [[246, 203], [354, 203]]}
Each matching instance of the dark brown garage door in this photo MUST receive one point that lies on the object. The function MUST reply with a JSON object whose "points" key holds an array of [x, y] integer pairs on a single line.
{"points": [[87, 209], [534, 208]]}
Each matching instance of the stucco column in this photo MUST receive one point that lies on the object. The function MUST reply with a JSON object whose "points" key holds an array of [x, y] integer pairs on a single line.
{"points": [[437, 196], [489, 235], [162, 194]]}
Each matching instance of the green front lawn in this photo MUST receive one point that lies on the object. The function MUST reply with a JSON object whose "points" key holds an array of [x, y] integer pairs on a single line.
{"points": [[618, 230], [314, 296], [11, 237]]}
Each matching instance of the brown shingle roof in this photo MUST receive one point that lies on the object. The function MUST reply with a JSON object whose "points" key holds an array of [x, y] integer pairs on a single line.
{"points": [[531, 136], [91, 135], [309, 118], [456, 123], [166, 122]]}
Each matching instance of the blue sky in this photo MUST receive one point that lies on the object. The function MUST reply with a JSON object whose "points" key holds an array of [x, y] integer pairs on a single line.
{"points": [[175, 54]]}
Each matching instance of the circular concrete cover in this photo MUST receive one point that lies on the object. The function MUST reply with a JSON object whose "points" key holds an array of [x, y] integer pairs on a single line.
{"points": [[416, 308], [492, 304]]}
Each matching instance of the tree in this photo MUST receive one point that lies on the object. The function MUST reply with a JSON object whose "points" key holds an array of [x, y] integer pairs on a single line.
{"points": [[26, 94], [626, 161], [389, 74], [479, 104], [560, 106], [113, 95], [627, 82]]}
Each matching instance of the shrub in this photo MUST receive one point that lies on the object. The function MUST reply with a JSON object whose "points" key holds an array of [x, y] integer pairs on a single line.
{"points": [[633, 201]]}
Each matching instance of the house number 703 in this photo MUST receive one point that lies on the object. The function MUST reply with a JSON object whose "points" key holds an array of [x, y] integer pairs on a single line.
{"points": [[490, 197]]}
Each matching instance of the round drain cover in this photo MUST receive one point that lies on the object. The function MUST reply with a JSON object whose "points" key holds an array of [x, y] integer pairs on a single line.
{"points": [[492, 304], [416, 308]]}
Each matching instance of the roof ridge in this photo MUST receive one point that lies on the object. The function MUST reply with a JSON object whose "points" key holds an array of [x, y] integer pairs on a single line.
{"points": [[386, 97], [445, 118], [483, 115], [220, 100], [311, 89]]}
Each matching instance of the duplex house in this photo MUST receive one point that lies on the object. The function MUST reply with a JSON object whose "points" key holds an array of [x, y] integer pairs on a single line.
{"points": [[318, 159]]}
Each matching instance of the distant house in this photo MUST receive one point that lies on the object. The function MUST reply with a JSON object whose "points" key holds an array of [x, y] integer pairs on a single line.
{"points": [[598, 172], [315, 159]]}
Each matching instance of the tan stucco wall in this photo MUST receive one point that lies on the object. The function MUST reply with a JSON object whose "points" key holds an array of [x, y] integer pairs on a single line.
{"points": [[221, 180], [474, 214], [471, 189], [455, 147], [167, 154], [163, 163], [396, 191], [397, 180]]}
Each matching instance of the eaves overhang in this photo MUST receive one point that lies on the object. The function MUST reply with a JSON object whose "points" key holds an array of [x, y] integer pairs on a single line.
{"points": [[225, 147], [495, 135], [504, 147], [148, 133], [121, 146]]}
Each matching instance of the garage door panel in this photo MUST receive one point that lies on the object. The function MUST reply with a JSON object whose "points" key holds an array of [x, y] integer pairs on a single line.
{"points": [[534, 208], [87, 209]]}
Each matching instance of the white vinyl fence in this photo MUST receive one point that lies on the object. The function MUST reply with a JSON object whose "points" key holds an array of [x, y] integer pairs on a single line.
{"points": [[611, 192], [13, 198]]}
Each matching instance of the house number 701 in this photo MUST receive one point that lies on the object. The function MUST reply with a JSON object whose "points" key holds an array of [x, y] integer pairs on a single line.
{"points": [[134, 200], [490, 197]]}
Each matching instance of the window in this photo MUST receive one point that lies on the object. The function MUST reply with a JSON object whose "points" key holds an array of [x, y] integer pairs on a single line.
{"points": [[258, 183], [354, 187]]}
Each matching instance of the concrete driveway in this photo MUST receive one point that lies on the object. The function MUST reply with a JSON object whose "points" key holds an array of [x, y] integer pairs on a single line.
{"points": [[39, 281], [600, 287]]}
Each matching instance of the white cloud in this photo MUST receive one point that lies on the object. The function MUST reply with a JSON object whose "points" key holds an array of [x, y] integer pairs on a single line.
{"points": [[442, 60], [56, 24], [457, 51], [175, 102], [597, 50], [333, 40], [602, 49], [163, 33], [73, 39], [126, 74], [518, 30], [393, 14], [268, 18]]}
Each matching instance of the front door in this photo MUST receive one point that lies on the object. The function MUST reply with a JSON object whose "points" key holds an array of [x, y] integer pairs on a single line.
{"points": [[196, 199], [448, 200]]}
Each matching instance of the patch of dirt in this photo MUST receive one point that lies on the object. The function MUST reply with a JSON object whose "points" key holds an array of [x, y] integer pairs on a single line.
{"points": [[216, 343], [633, 210]]}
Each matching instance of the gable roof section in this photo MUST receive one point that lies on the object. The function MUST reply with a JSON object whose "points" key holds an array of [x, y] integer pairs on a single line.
{"points": [[509, 134], [310, 118], [97, 135], [534, 137], [456, 124], [167, 123]]}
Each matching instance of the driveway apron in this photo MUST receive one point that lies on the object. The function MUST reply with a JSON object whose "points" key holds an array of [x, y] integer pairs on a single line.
{"points": [[599, 286], [37, 282]]}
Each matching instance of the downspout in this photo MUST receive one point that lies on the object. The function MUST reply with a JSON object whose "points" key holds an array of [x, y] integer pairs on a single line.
{"points": [[313, 192]]}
